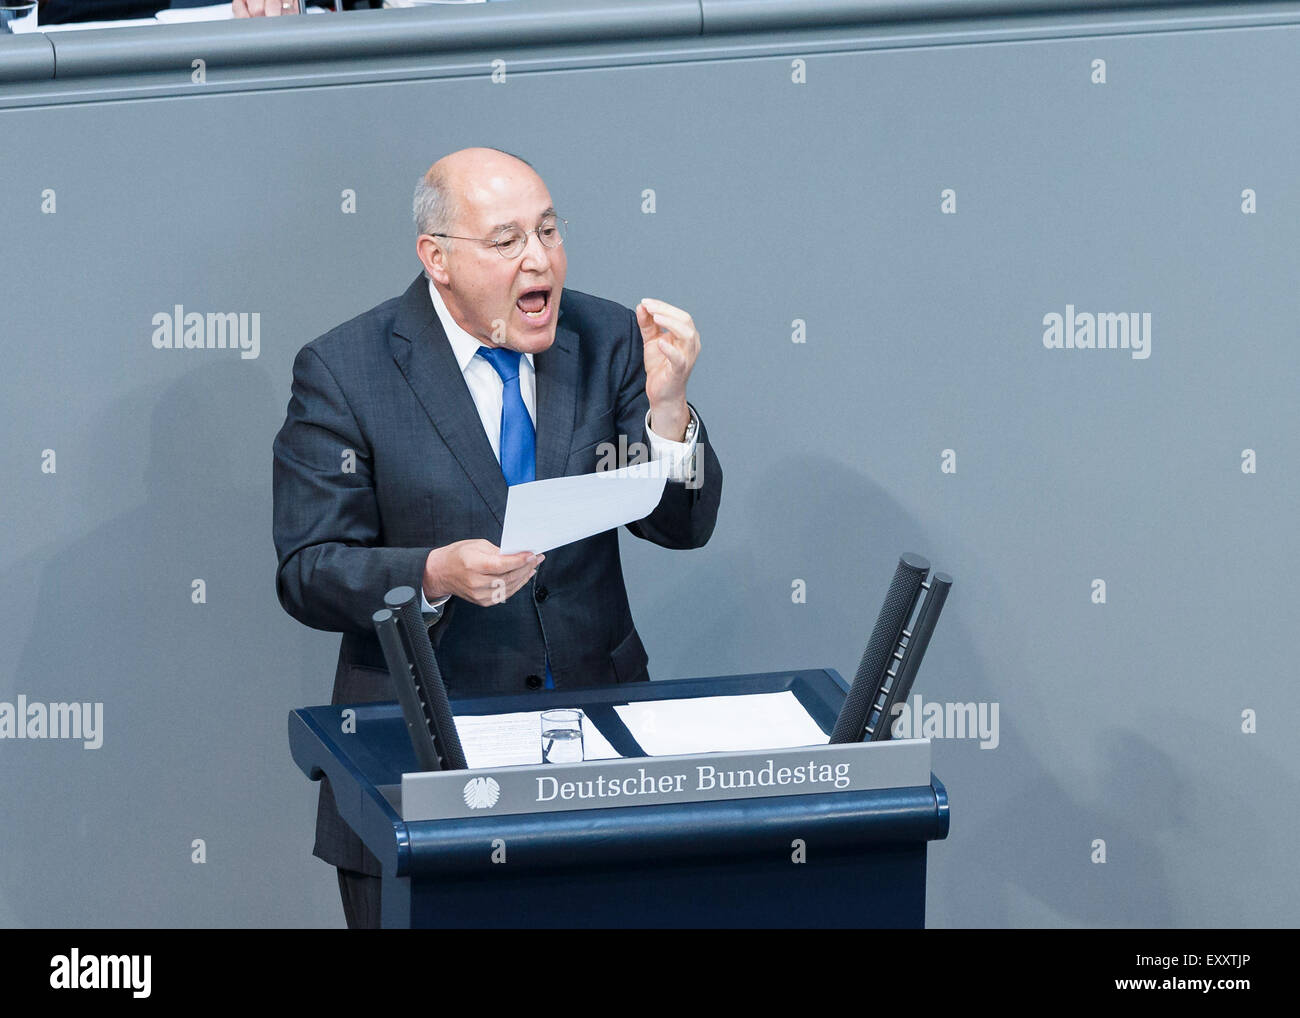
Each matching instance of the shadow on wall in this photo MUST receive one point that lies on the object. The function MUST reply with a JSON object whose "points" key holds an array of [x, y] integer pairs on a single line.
{"points": [[194, 694], [730, 608], [1021, 842], [1018, 836]]}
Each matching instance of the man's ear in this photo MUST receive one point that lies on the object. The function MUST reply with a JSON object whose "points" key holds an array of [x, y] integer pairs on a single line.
{"points": [[433, 258]]}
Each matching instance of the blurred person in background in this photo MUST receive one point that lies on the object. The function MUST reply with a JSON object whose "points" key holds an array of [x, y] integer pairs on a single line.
{"points": [[62, 12]]}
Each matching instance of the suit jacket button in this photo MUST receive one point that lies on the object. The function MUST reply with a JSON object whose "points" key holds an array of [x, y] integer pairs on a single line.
{"points": [[533, 682], [541, 594]]}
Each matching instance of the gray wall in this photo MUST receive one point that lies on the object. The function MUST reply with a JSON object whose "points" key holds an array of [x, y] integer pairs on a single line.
{"points": [[775, 201]]}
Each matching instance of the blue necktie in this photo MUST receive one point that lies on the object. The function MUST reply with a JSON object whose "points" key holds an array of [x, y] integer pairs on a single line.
{"points": [[518, 442]]}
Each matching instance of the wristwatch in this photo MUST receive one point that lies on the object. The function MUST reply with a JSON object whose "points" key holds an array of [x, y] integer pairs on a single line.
{"points": [[435, 613], [692, 426]]}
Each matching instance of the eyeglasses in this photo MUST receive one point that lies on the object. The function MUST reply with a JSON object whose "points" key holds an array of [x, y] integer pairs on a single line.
{"points": [[511, 241]]}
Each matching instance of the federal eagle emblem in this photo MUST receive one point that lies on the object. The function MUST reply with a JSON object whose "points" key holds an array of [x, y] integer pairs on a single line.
{"points": [[482, 793]]}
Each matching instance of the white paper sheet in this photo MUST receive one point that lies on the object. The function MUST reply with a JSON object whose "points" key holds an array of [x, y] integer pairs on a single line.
{"points": [[76, 26], [721, 724], [212, 12], [542, 515], [507, 740]]}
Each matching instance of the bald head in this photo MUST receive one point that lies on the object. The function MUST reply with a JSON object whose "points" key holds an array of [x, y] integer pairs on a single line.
{"points": [[438, 195]]}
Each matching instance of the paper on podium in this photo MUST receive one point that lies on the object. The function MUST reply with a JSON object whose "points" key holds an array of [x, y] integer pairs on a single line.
{"points": [[721, 724], [507, 740], [19, 27], [210, 12], [542, 515]]}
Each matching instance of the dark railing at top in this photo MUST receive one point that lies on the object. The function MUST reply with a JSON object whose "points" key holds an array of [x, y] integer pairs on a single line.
{"points": [[507, 25]]}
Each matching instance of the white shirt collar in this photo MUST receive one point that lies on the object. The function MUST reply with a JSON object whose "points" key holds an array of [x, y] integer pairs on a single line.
{"points": [[463, 345]]}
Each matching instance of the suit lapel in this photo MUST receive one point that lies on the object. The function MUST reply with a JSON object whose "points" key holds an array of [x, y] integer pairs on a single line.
{"points": [[557, 399], [423, 354]]}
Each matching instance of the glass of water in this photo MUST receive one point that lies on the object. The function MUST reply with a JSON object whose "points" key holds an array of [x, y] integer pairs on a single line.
{"points": [[17, 17], [562, 736]]}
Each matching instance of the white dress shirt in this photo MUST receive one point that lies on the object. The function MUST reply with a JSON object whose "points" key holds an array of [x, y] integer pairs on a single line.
{"points": [[486, 387]]}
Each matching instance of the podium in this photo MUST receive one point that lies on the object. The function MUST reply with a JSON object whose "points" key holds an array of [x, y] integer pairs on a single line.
{"points": [[759, 857]]}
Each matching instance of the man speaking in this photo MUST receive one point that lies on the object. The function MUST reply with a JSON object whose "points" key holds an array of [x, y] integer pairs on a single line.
{"points": [[406, 426]]}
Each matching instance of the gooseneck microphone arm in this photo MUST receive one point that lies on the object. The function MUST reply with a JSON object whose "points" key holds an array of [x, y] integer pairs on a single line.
{"points": [[898, 679], [418, 681], [900, 601]]}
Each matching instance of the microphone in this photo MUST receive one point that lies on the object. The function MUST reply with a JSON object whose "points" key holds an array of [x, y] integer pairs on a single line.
{"points": [[418, 681], [898, 684], [863, 704]]}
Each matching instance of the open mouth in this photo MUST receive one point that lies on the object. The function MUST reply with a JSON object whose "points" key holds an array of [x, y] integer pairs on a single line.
{"points": [[534, 303]]}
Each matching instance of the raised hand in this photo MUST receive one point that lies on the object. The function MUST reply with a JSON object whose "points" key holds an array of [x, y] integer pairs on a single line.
{"points": [[670, 346]]}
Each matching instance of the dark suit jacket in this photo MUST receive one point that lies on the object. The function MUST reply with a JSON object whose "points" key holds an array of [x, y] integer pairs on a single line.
{"points": [[383, 457]]}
